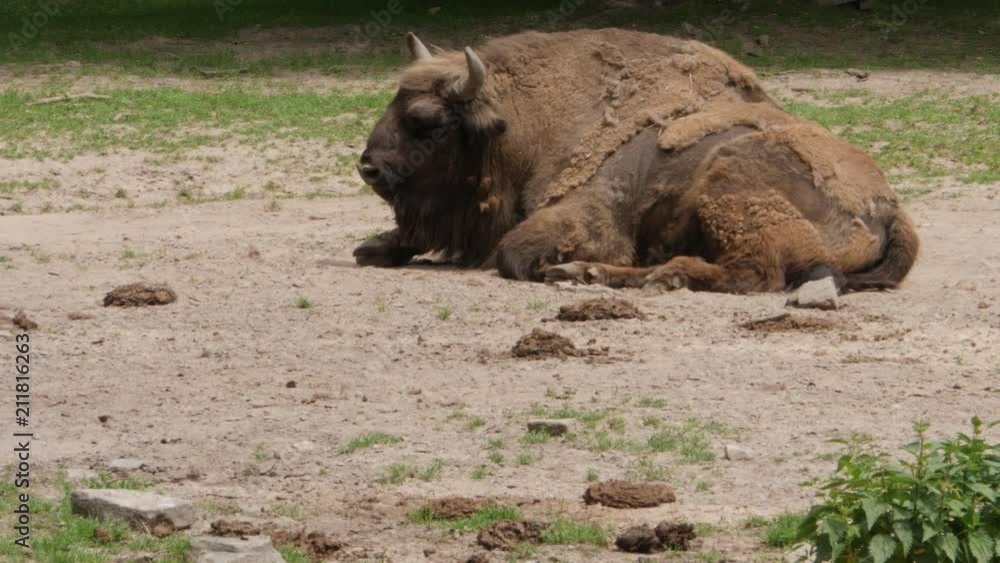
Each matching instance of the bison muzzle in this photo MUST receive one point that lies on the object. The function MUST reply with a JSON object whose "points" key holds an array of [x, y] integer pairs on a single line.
{"points": [[625, 159]]}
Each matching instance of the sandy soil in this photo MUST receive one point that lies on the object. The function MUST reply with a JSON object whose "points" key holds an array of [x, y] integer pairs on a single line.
{"points": [[201, 387]]}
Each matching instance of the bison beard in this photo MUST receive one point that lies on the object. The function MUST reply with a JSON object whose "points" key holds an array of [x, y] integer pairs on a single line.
{"points": [[625, 159]]}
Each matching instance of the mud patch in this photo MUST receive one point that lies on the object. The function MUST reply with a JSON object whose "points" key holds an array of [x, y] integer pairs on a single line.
{"points": [[315, 544], [139, 295], [541, 344], [666, 535], [509, 533], [786, 322], [638, 539], [454, 507], [22, 321], [599, 309], [675, 536], [625, 494]]}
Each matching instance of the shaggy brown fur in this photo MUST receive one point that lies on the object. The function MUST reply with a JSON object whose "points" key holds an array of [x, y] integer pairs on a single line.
{"points": [[627, 159]]}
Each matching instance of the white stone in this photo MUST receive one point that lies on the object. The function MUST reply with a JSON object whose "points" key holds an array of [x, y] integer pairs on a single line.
{"points": [[819, 294], [75, 474], [211, 549], [126, 464], [141, 509], [737, 453]]}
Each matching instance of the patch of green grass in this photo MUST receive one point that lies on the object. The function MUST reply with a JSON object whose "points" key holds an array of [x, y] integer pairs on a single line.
{"points": [[475, 423], [651, 403], [522, 552], [689, 441], [59, 536], [480, 473], [702, 486], [536, 305], [291, 554], [602, 441], [497, 458], [214, 507], [564, 531], [370, 440], [303, 302], [22, 186], [535, 437], [129, 254], [235, 194], [443, 312], [592, 476], [617, 424], [397, 473], [495, 444], [105, 480], [527, 458], [920, 135], [432, 471], [646, 469], [173, 120], [782, 530], [651, 421], [260, 453], [482, 518], [288, 510]]}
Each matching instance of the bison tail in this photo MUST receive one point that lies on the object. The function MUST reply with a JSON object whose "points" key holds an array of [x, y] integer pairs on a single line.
{"points": [[900, 254]]}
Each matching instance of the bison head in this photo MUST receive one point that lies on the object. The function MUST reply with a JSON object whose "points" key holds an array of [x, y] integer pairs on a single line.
{"points": [[430, 144]]}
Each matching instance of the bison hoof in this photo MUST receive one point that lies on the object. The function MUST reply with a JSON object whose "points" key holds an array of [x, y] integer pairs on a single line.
{"points": [[666, 281], [380, 253], [579, 272]]}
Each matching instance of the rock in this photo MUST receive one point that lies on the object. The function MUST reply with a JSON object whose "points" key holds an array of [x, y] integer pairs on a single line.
{"points": [[143, 510], [764, 41], [819, 294], [550, 427], [210, 549], [80, 474], [638, 539], [570, 286], [305, 446], [478, 558], [737, 453], [625, 494], [126, 464]]}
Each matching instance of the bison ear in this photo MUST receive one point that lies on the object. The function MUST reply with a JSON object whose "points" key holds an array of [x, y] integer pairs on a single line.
{"points": [[417, 49], [469, 87]]}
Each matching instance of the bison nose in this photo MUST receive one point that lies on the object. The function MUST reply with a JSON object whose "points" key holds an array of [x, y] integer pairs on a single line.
{"points": [[368, 171]]}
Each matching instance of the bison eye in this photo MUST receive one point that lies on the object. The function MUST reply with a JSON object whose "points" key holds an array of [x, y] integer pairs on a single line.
{"points": [[421, 126]]}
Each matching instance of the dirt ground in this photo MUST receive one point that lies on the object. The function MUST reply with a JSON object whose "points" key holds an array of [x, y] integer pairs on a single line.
{"points": [[202, 389]]}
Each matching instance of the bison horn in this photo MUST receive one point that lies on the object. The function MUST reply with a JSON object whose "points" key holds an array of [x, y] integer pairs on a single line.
{"points": [[417, 49], [469, 87]]}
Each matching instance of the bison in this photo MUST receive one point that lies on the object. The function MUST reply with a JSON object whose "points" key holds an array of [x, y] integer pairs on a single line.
{"points": [[625, 159]]}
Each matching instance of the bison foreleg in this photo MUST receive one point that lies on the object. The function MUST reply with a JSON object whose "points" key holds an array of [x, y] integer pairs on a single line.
{"points": [[383, 250]]}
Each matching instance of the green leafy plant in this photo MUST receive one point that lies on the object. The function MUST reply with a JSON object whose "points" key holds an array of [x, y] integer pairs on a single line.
{"points": [[941, 505]]}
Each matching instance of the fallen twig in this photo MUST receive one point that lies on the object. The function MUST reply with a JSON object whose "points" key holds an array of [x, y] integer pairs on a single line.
{"points": [[69, 98], [212, 73]]}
